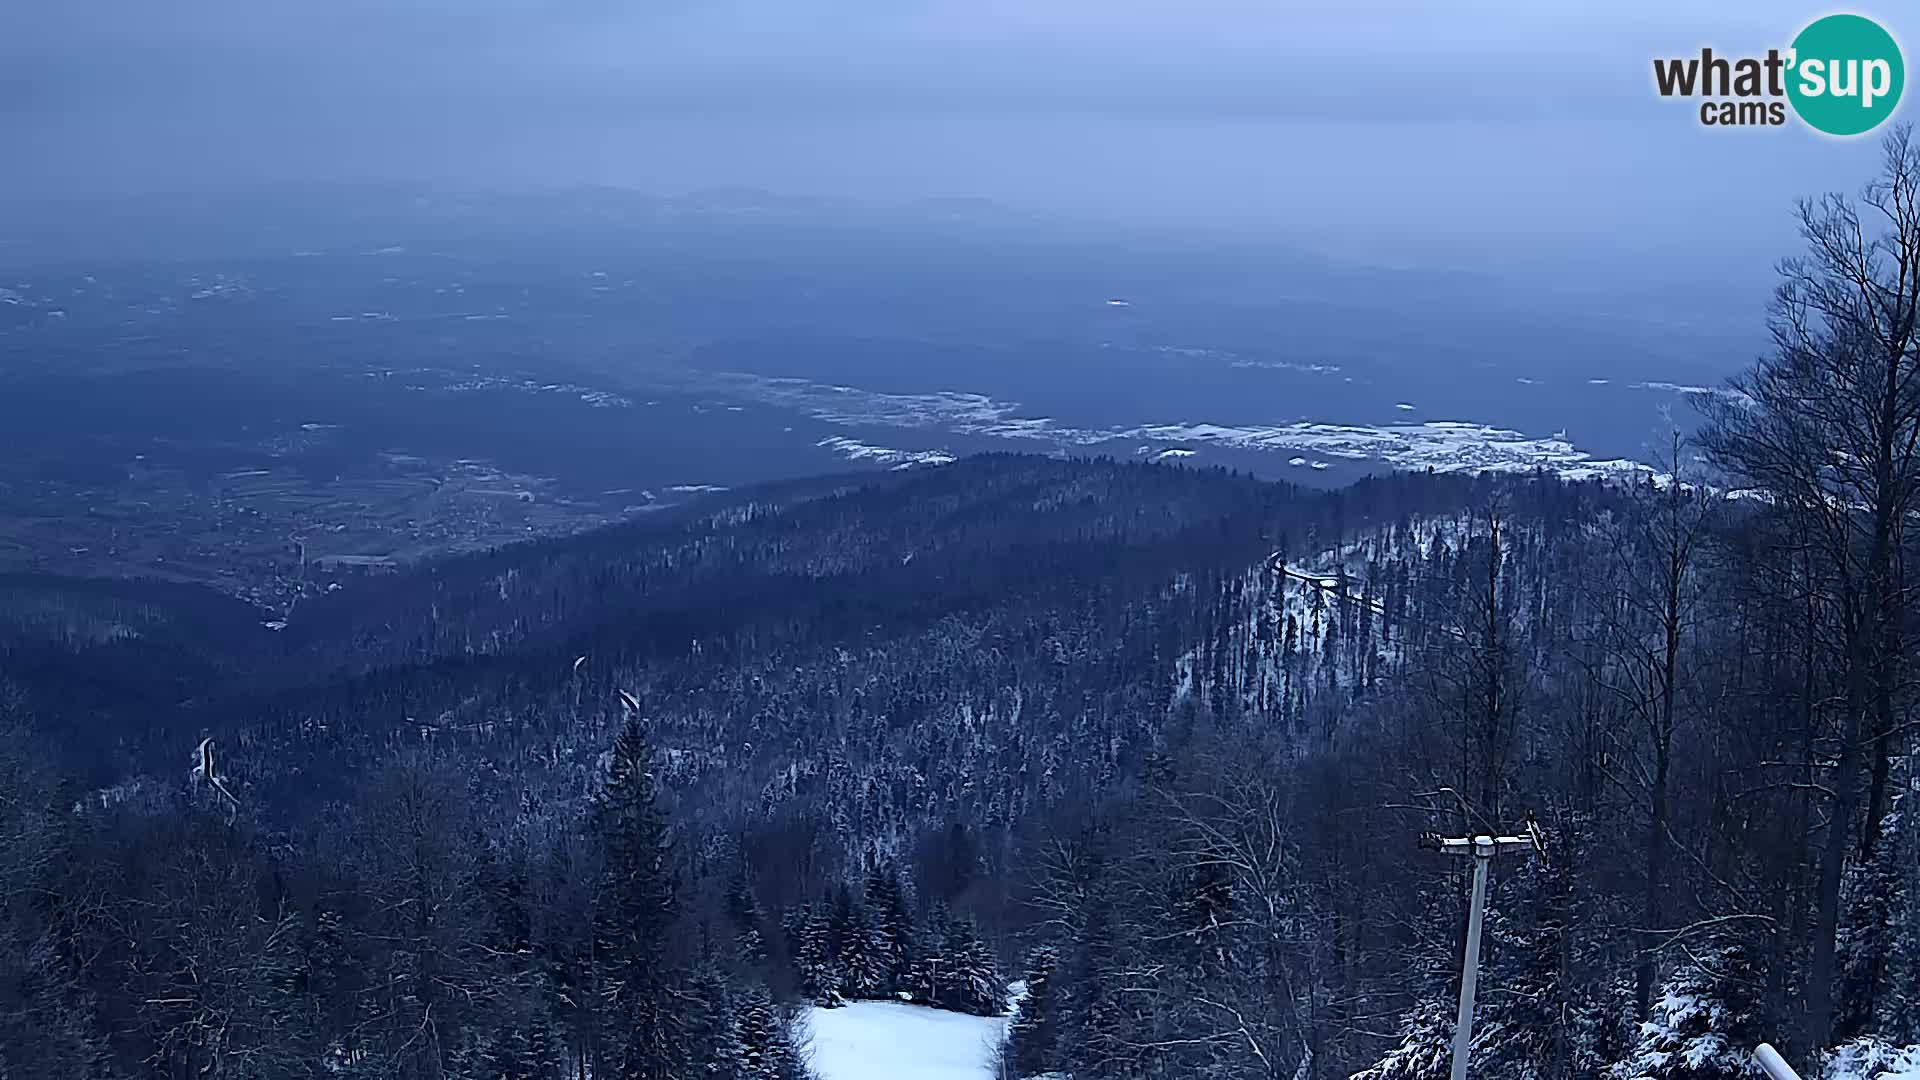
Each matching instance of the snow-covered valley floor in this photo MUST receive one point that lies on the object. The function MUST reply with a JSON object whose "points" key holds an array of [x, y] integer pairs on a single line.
{"points": [[886, 1040]]}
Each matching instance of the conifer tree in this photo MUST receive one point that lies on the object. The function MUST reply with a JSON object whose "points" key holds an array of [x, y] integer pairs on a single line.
{"points": [[1425, 1050], [1703, 1025], [1093, 1022], [972, 982], [1033, 1037], [930, 968], [743, 909], [709, 1004], [896, 936], [841, 923], [643, 1022], [1879, 956], [765, 1048], [862, 956], [818, 976]]}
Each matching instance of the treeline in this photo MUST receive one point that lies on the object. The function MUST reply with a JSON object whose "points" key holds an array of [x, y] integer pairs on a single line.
{"points": [[873, 947], [160, 930]]}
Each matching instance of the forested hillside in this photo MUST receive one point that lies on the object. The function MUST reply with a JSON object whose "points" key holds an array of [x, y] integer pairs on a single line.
{"points": [[1155, 741]]}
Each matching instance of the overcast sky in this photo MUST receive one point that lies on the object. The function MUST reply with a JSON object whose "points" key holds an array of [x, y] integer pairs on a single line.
{"points": [[1404, 127]]}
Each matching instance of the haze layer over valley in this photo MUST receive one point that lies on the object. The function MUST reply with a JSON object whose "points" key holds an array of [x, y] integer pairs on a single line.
{"points": [[216, 389]]}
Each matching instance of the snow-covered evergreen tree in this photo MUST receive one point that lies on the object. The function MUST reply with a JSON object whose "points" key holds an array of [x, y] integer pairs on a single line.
{"points": [[928, 967], [971, 981], [818, 975], [1703, 1023], [643, 1018], [749, 923], [764, 1047], [863, 954], [896, 935], [708, 1002], [1096, 1032], [1426, 1045], [1879, 944], [1542, 1016], [1425, 1050], [1033, 1036]]}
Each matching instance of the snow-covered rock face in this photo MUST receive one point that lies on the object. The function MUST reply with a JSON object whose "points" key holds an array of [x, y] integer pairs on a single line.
{"points": [[884, 1040]]}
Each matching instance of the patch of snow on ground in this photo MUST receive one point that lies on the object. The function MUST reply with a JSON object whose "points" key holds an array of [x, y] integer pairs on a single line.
{"points": [[886, 1040], [855, 450], [1446, 446], [1871, 1059], [1728, 393], [1288, 365]]}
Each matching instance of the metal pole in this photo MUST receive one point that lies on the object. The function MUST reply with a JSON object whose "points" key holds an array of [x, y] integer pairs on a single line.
{"points": [[1773, 1064], [1483, 849]]}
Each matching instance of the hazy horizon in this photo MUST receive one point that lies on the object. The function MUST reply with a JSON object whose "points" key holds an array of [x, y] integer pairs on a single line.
{"points": [[1388, 130]]}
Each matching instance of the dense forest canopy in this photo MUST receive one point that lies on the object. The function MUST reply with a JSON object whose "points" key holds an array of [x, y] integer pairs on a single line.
{"points": [[1154, 741]]}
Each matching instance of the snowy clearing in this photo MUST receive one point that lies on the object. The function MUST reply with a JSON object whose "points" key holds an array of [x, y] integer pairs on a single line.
{"points": [[886, 1040]]}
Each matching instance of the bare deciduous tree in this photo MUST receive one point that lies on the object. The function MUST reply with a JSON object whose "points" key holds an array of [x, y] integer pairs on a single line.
{"points": [[1827, 429]]}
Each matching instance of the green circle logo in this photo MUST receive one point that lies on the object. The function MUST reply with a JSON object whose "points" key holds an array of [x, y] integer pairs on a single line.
{"points": [[1846, 76]]}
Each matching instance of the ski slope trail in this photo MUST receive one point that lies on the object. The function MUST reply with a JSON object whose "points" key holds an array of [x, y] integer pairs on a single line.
{"points": [[888, 1040]]}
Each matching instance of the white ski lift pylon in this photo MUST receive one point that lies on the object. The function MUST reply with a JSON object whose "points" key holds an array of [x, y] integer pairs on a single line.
{"points": [[1482, 849]]}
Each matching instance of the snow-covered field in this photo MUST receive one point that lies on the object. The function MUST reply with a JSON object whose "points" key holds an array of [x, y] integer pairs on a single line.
{"points": [[1447, 446], [885, 1040]]}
